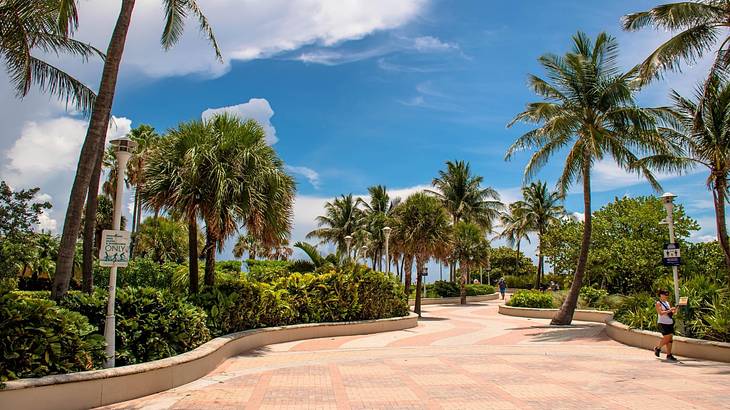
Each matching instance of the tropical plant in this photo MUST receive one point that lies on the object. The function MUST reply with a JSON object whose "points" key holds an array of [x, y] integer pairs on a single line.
{"points": [[44, 26], [377, 214], [515, 229], [531, 299], [698, 27], [423, 229], [469, 248], [93, 147], [540, 209], [342, 218], [589, 110], [162, 240]]}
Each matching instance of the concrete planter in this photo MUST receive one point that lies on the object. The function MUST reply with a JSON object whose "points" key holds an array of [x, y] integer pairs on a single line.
{"points": [[683, 346], [95, 388], [456, 300]]}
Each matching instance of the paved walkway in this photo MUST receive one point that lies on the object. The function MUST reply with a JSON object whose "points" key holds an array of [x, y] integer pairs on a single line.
{"points": [[459, 357]]}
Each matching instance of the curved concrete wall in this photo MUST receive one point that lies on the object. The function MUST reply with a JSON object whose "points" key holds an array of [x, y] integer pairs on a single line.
{"points": [[456, 300], [95, 388], [682, 346]]}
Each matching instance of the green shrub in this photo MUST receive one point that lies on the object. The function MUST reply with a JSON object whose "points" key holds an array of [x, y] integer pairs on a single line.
{"points": [[267, 271], [531, 299], [638, 312], [150, 324], [591, 296], [301, 265], [446, 289], [477, 290], [229, 266], [520, 282], [38, 338], [380, 295]]}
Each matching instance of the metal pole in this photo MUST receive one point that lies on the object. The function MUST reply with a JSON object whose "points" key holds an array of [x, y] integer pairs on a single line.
{"points": [[387, 255], [110, 322], [675, 273]]}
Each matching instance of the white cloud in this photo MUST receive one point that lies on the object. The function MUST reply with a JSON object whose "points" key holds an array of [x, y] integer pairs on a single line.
{"points": [[46, 223], [311, 175], [428, 43], [245, 30], [257, 109], [606, 175]]}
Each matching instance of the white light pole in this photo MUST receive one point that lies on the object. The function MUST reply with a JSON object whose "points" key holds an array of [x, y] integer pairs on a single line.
{"points": [[668, 200], [123, 148], [364, 251], [348, 242], [386, 232]]}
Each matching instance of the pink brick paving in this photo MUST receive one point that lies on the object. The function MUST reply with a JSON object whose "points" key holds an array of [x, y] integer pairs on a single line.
{"points": [[459, 357]]}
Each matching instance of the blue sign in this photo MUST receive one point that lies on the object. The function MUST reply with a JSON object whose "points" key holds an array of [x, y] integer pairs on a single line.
{"points": [[672, 256]]}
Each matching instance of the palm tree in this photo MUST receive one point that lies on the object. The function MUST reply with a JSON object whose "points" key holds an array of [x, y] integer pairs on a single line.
{"points": [[470, 248], [423, 229], [246, 244], [342, 218], [700, 26], [704, 131], [93, 147], [589, 110], [515, 229], [540, 209], [45, 26], [377, 214], [464, 197]]}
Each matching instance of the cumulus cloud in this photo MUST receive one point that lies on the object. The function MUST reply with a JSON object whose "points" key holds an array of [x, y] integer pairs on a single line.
{"points": [[311, 175], [428, 43], [607, 176], [46, 223], [257, 109]]}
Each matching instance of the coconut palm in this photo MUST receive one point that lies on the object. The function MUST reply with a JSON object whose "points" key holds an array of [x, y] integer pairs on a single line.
{"points": [[515, 229], [540, 209], [423, 229], [93, 147], [588, 114], [704, 131], [342, 218], [469, 248], [700, 27], [30, 26], [377, 214]]}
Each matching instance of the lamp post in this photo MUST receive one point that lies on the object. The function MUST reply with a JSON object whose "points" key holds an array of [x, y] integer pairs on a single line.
{"points": [[668, 200], [123, 148], [348, 242], [364, 250], [386, 232]]}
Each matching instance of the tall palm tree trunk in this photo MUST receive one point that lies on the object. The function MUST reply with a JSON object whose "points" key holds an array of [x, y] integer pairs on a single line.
{"points": [[565, 314], [92, 204], [538, 278], [407, 268], [517, 257], [462, 290], [719, 194], [419, 278], [193, 255], [210, 241], [95, 136]]}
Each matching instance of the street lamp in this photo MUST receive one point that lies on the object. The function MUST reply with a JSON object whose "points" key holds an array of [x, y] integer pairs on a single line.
{"points": [[364, 250], [668, 200], [386, 232], [123, 148], [348, 242]]}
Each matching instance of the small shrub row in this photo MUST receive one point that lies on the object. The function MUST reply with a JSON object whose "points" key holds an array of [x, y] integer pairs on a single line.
{"points": [[531, 299]]}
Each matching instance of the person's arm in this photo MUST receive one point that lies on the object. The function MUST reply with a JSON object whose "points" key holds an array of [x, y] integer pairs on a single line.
{"points": [[660, 309]]}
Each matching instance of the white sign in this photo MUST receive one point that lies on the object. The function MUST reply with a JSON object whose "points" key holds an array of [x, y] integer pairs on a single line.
{"points": [[114, 248]]}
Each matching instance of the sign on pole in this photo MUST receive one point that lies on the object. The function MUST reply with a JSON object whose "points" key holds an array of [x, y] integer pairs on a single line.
{"points": [[672, 256], [114, 248]]}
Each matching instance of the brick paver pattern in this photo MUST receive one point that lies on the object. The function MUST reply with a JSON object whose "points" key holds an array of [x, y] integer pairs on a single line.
{"points": [[459, 357]]}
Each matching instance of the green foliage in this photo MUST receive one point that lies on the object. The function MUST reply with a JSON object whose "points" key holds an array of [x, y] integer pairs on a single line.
{"points": [[267, 271], [145, 272], [446, 289], [531, 299], [626, 244], [638, 312], [229, 266], [151, 324], [505, 262], [162, 240], [301, 265], [520, 282], [591, 295], [477, 290], [38, 338]]}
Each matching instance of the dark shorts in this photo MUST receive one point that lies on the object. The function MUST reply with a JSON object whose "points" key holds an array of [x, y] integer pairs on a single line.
{"points": [[502, 290], [666, 329]]}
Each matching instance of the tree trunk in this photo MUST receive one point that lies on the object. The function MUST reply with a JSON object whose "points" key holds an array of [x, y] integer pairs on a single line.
{"points": [[419, 268], [95, 136], [92, 205], [517, 258], [719, 198], [538, 278], [193, 255], [408, 267], [464, 275], [565, 314], [210, 241]]}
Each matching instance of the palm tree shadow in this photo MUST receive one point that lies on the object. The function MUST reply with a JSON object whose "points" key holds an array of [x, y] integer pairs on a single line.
{"points": [[567, 334]]}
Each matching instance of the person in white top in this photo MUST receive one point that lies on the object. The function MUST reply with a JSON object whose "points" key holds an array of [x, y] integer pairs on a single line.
{"points": [[665, 322]]}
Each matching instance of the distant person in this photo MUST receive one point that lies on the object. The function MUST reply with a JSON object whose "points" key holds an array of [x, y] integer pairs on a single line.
{"points": [[665, 322], [476, 281], [502, 287]]}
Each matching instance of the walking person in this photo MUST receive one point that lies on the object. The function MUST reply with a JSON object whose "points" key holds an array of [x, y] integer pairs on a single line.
{"points": [[665, 322], [502, 287]]}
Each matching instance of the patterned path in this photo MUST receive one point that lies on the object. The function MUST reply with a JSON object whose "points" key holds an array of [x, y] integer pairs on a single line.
{"points": [[459, 357]]}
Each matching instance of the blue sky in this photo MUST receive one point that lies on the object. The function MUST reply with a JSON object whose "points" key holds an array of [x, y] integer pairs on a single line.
{"points": [[355, 93]]}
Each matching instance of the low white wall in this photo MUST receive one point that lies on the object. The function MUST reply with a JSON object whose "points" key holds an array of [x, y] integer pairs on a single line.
{"points": [[682, 346], [95, 388], [455, 301]]}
